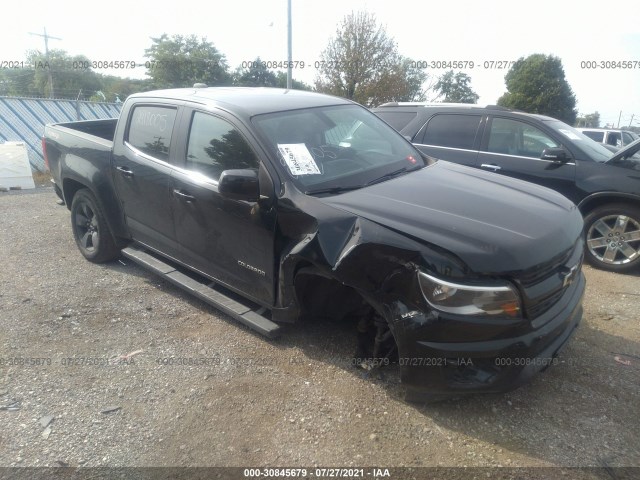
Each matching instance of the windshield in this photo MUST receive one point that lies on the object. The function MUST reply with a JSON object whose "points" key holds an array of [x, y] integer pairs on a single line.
{"points": [[336, 147], [629, 137], [592, 149]]}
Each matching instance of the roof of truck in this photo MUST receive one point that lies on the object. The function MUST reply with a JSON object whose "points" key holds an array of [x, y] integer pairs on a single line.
{"points": [[250, 100]]}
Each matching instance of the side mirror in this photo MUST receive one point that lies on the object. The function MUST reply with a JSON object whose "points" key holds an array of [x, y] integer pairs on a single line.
{"points": [[557, 155], [427, 159], [239, 185]]}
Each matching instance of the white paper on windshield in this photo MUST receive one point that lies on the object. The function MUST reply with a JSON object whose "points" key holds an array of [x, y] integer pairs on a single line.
{"points": [[571, 135], [298, 159]]}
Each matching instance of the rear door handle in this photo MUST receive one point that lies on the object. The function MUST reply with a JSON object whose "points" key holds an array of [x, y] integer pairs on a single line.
{"points": [[491, 166], [184, 196], [125, 171]]}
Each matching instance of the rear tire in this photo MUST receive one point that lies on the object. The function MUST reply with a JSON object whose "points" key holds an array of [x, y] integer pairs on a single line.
{"points": [[90, 229], [612, 237]]}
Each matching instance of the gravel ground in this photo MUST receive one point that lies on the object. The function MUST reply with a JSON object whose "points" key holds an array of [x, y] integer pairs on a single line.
{"points": [[103, 334]]}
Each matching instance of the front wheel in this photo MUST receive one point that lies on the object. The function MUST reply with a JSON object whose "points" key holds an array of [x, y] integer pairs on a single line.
{"points": [[612, 236], [90, 229]]}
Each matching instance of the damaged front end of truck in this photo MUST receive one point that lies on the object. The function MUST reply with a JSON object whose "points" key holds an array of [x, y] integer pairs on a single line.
{"points": [[483, 319]]}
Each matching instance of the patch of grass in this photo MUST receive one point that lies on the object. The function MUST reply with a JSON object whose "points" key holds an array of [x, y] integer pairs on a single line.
{"points": [[42, 179]]}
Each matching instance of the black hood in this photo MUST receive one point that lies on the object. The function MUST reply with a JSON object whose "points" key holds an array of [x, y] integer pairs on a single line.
{"points": [[495, 224]]}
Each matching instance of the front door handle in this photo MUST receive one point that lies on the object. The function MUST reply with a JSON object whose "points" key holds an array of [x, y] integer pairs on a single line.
{"points": [[491, 166], [125, 171], [184, 196]]}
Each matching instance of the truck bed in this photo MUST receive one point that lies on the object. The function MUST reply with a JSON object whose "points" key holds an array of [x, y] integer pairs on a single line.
{"points": [[104, 129], [82, 150]]}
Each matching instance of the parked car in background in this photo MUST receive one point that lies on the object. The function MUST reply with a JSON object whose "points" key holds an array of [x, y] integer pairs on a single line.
{"points": [[608, 136], [541, 150]]}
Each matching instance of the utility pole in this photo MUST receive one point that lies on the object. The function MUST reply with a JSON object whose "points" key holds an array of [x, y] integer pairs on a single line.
{"points": [[46, 51], [631, 121], [619, 119], [78, 105], [289, 81]]}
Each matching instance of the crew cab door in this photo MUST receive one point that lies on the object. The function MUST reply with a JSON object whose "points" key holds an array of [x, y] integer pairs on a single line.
{"points": [[514, 147], [142, 166], [230, 241]]}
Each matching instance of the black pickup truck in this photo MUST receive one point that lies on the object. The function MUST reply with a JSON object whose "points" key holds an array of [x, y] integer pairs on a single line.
{"points": [[275, 205]]}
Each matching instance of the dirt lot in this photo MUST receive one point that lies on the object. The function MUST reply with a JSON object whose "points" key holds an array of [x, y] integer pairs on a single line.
{"points": [[104, 334]]}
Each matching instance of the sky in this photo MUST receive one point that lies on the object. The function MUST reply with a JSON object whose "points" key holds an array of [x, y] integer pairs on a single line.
{"points": [[472, 31]]}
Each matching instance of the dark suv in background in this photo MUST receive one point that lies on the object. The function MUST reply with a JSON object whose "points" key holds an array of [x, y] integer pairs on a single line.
{"points": [[542, 150]]}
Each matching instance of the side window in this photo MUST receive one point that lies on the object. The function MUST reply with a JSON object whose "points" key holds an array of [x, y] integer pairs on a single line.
{"points": [[513, 137], [150, 130], [215, 145], [455, 131], [613, 138]]}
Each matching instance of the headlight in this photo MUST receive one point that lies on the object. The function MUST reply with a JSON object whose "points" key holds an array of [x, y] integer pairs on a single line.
{"points": [[469, 299]]}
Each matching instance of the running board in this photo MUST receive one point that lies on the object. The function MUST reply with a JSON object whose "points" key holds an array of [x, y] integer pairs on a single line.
{"points": [[207, 293]]}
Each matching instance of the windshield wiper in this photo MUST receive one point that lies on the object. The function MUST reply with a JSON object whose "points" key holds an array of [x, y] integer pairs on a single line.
{"points": [[333, 189], [384, 177], [395, 173]]}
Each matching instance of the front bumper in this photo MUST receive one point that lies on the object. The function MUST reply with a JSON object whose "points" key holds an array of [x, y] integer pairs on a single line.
{"points": [[489, 365]]}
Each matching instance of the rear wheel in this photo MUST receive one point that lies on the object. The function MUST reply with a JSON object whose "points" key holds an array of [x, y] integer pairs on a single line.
{"points": [[612, 236], [91, 230]]}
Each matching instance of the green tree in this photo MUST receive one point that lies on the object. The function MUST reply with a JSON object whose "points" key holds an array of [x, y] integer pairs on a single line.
{"points": [[362, 63], [256, 75], [17, 83], [72, 76], [537, 84], [118, 88], [454, 87], [415, 79], [281, 82], [589, 120], [181, 61]]}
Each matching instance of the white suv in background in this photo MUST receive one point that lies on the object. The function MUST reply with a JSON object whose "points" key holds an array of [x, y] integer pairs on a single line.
{"points": [[614, 137]]}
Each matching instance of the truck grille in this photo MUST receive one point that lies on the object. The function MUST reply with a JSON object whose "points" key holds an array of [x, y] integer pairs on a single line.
{"points": [[536, 309], [545, 286]]}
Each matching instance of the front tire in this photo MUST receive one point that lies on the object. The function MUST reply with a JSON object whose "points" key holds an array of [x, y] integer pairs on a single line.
{"points": [[612, 237], [90, 229]]}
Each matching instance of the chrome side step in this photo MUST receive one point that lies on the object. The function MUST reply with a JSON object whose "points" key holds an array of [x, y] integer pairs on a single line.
{"points": [[205, 292]]}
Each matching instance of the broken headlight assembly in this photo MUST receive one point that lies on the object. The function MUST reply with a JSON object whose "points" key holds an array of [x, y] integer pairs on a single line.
{"points": [[462, 299]]}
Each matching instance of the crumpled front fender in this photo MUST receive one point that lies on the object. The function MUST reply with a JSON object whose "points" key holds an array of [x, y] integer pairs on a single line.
{"points": [[354, 251]]}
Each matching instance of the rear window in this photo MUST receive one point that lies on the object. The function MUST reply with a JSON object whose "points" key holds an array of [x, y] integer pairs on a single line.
{"points": [[150, 130], [397, 120], [454, 131]]}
